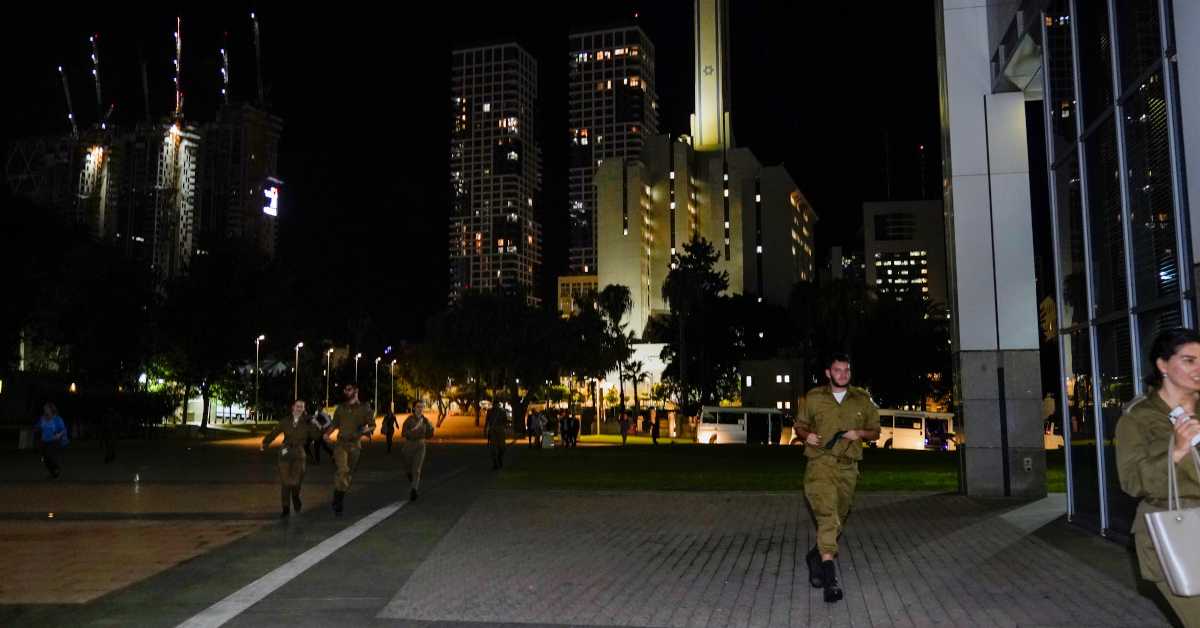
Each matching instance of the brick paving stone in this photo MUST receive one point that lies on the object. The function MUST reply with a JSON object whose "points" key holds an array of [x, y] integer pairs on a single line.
{"points": [[737, 559]]}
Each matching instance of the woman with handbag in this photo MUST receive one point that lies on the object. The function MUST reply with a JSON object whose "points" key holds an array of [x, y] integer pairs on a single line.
{"points": [[1159, 431]]}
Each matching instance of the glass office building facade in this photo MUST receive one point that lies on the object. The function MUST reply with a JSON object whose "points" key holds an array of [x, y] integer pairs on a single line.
{"points": [[1121, 233]]}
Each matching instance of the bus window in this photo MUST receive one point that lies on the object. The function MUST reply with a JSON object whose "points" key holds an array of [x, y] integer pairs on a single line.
{"points": [[885, 421], [730, 418], [708, 417], [907, 423]]}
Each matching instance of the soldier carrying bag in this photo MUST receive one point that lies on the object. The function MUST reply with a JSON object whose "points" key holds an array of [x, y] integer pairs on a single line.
{"points": [[1176, 534]]}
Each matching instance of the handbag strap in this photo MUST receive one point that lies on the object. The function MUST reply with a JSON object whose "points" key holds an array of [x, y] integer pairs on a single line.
{"points": [[1173, 499]]}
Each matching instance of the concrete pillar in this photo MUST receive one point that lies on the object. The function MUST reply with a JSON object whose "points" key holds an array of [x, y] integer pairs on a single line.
{"points": [[990, 258], [1187, 55]]}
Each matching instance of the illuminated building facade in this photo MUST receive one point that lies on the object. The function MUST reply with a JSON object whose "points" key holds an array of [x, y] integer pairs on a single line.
{"points": [[756, 218], [239, 192], [613, 108], [495, 172], [905, 248], [571, 288]]}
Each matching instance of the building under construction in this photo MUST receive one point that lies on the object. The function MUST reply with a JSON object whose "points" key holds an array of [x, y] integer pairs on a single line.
{"points": [[161, 191]]}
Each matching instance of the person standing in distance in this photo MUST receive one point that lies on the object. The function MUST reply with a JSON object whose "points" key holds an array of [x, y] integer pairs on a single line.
{"points": [[52, 437], [389, 428], [497, 430], [415, 430], [296, 431], [837, 419], [354, 422]]}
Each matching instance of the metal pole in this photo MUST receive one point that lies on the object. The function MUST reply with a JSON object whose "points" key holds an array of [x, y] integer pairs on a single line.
{"points": [[328, 374], [296, 371], [392, 386], [376, 407]]}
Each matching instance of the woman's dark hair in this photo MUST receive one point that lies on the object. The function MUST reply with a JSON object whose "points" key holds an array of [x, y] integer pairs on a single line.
{"points": [[53, 408], [1165, 346]]}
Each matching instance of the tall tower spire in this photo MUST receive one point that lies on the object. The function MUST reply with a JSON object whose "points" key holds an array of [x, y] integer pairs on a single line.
{"points": [[711, 130]]}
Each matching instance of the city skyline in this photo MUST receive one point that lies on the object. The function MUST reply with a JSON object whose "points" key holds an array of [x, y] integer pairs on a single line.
{"points": [[364, 180]]}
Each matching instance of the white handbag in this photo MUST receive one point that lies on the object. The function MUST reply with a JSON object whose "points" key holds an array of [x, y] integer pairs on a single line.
{"points": [[1176, 535]]}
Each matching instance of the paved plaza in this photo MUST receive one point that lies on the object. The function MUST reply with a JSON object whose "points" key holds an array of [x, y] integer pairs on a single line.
{"points": [[196, 541]]}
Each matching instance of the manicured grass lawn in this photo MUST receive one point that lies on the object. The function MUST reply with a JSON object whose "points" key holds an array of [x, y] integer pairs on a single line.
{"points": [[690, 467]]}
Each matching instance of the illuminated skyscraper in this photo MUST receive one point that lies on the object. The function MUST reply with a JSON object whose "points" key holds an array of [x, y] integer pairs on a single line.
{"points": [[495, 172], [613, 109]]}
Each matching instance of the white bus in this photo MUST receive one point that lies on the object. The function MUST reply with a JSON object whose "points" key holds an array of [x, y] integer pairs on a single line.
{"points": [[905, 429], [719, 426]]}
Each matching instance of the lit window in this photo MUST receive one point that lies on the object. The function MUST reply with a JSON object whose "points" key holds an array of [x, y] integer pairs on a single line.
{"points": [[787, 379], [778, 405], [487, 106], [758, 198], [726, 192], [778, 379], [672, 204], [672, 175], [749, 381], [758, 249], [787, 405], [726, 176]]}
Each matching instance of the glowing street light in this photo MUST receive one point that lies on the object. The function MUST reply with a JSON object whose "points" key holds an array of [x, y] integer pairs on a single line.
{"points": [[257, 342], [296, 374], [328, 374], [376, 406], [356, 357], [392, 386]]}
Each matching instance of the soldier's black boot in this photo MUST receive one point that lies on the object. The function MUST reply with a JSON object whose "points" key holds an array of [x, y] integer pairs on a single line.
{"points": [[833, 592], [338, 497], [296, 500], [284, 514], [412, 495], [816, 577]]}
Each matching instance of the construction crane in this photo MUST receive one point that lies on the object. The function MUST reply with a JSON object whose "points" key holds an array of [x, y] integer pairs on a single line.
{"points": [[178, 68], [95, 41], [257, 59], [225, 70], [70, 107]]}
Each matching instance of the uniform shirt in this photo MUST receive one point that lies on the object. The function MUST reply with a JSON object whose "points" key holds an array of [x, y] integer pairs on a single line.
{"points": [[824, 416], [296, 433], [416, 428], [51, 427], [1143, 443], [353, 421], [496, 421]]}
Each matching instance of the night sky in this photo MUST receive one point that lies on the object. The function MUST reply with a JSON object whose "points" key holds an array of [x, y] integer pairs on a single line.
{"points": [[364, 98]]}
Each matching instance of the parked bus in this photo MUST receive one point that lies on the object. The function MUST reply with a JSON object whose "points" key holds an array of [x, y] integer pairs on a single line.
{"points": [[719, 426], [905, 429]]}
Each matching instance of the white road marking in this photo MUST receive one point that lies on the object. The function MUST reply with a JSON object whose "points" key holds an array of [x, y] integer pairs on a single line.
{"points": [[251, 594]]}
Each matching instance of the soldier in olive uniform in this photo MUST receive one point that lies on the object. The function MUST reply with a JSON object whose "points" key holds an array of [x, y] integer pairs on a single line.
{"points": [[354, 422], [497, 431], [837, 418], [296, 431], [415, 430], [1144, 449]]}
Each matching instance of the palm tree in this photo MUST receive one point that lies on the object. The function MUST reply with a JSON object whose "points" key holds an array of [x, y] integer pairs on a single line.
{"points": [[614, 302], [637, 374]]}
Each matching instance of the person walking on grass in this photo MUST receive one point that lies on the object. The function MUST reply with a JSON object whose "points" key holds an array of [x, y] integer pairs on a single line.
{"points": [[838, 418], [415, 431], [354, 422], [296, 430], [623, 422], [52, 437]]}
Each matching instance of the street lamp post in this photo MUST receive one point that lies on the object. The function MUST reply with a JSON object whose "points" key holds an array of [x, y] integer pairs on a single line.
{"points": [[392, 386], [328, 374], [377, 360], [257, 341], [296, 371], [356, 357]]}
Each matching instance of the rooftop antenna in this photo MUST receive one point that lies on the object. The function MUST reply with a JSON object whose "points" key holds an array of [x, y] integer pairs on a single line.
{"points": [[257, 58], [95, 41], [225, 70], [70, 107], [178, 68]]}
